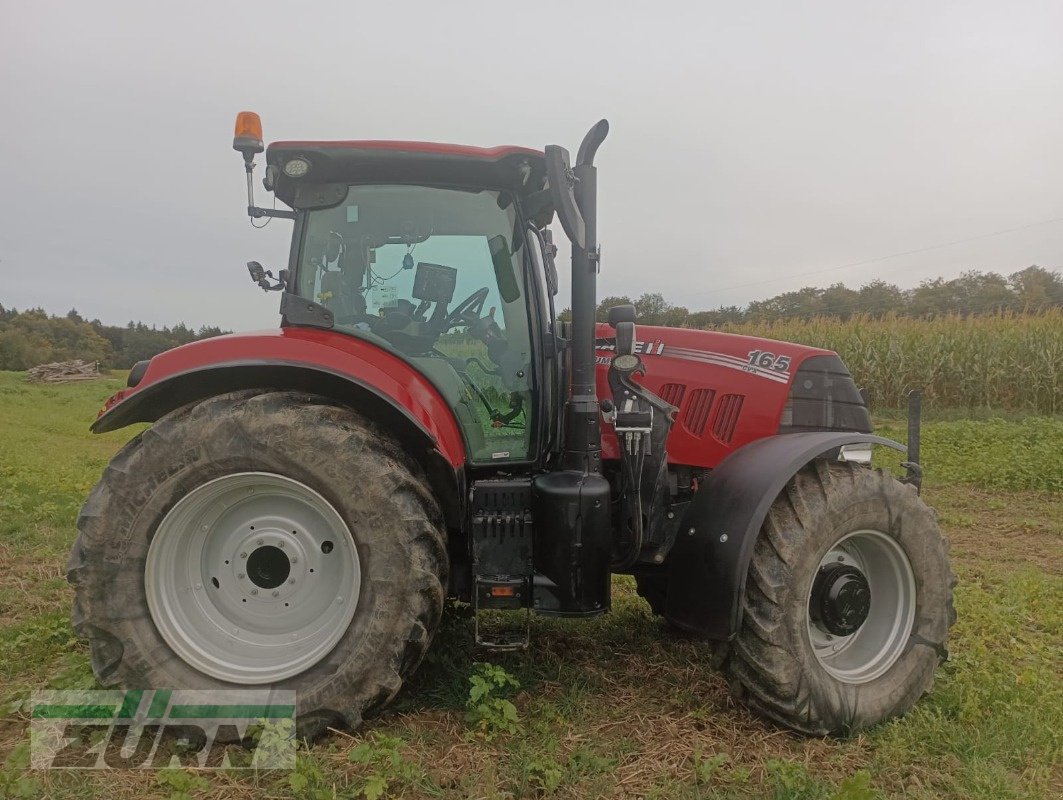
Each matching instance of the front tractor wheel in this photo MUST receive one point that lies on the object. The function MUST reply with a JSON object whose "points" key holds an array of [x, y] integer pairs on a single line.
{"points": [[848, 603], [261, 540]]}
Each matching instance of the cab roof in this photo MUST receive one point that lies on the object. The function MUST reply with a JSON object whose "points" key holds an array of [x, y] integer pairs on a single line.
{"points": [[518, 169], [438, 148]]}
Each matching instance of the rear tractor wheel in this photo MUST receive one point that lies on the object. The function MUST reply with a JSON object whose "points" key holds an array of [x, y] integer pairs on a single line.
{"points": [[261, 540], [848, 603]]}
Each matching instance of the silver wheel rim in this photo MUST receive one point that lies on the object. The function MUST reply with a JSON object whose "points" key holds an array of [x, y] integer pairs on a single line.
{"points": [[252, 578], [876, 645]]}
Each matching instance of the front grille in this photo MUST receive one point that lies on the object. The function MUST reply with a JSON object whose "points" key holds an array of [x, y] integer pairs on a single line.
{"points": [[823, 397]]}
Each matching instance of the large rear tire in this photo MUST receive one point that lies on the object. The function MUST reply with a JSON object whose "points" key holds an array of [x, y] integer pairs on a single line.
{"points": [[269, 518], [848, 603]]}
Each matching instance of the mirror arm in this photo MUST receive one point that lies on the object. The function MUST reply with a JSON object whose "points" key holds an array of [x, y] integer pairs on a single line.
{"points": [[257, 213], [253, 211]]}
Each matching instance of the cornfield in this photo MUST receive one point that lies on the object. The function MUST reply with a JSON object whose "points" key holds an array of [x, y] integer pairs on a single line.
{"points": [[1002, 361]]}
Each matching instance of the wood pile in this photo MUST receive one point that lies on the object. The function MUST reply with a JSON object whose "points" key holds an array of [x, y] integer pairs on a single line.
{"points": [[63, 371]]}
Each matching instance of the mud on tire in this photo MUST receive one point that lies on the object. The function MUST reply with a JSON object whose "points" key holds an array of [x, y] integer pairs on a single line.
{"points": [[378, 491], [772, 665]]}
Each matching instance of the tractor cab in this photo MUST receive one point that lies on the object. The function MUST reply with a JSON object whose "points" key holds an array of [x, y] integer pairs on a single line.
{"points": [[437, 253]]}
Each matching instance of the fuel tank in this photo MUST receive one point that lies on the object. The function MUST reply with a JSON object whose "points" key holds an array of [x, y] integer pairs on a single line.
{"points": [[732, 389]]}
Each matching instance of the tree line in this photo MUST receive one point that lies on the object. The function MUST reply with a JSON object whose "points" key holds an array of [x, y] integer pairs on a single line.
{"points": [[1032, 290], [32, 337]]}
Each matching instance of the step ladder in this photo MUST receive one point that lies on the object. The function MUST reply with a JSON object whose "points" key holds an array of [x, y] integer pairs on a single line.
{"points": [[502, 597]]}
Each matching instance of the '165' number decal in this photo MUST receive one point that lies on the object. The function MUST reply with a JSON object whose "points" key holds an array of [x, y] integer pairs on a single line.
{"points": [[766, 360]]}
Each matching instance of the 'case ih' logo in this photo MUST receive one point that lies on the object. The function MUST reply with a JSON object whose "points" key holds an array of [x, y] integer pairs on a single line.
{"points": [[654, 348]]}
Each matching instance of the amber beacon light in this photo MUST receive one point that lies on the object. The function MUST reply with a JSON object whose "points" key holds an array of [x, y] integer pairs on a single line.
{"points": [[248, 135]]}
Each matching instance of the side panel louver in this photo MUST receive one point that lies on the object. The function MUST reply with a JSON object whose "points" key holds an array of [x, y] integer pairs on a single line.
{"points": [[696, 415], [672, 393], [726, 417]]}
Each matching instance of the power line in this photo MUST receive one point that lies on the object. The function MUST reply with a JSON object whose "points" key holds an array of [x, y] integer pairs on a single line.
{"points": [[884, 258]]}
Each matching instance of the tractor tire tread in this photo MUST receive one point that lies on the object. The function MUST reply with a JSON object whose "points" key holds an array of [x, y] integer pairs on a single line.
{"points": [[767, 664], [275, 430]]}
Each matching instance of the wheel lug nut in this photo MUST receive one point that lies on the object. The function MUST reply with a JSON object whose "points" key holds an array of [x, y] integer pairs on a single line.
{"points": [[240, 576], [243, 555], [254, 591], [280, 544], [292, 581], [259, 542], [295, 559], [276, 593]]}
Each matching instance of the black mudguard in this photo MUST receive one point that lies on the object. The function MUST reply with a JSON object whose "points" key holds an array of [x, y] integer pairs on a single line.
{"points": [[708, 565]]}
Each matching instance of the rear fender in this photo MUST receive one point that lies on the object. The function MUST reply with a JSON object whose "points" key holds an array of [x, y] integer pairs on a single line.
{"points": [[708, 565]]}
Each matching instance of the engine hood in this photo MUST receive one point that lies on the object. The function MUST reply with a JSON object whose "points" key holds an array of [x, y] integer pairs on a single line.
{"points": [[730, 389], [766, 358]]}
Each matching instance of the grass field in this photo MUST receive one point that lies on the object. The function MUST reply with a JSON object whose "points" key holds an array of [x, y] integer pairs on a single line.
{"points": [[615, 707]]}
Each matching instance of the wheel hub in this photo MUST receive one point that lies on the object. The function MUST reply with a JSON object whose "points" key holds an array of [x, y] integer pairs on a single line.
{"points": [[861, 606], [252, 578], [841, 599], [268, 567]]}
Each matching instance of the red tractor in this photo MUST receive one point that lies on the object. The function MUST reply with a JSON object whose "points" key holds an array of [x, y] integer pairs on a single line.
{"points": [[423, 426]]}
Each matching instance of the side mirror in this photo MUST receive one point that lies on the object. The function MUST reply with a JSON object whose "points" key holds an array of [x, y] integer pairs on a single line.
{"points": [[623, 313], [258, 274], [263, 277], [563, 192]]}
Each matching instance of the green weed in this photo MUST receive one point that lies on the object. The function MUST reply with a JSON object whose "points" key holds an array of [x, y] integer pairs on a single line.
{"points": [[182, 784], [489, 710], [311, 780], [384, 766]]}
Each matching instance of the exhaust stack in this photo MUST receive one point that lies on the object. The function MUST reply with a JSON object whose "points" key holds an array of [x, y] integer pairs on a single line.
{"points": [[575, 194]]}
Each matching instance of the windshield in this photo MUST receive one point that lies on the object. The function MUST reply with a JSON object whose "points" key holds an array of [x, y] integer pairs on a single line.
{"points": [[436, 274]]}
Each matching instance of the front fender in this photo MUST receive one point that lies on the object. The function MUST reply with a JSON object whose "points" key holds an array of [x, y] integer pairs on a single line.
{"points": [[707, 567]]}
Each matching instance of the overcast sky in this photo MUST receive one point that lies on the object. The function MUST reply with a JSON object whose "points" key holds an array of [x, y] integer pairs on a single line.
{"points": [[754, 146]]}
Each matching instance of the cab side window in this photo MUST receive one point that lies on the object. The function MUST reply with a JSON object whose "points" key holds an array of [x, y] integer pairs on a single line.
{"points": [[438, 275]]}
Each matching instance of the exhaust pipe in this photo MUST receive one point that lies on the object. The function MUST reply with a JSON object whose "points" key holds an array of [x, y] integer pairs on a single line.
{"points": [[575, 194], [571, 506]]}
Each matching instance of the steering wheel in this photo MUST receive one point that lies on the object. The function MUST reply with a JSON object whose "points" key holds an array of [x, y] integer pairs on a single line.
{"points": [[468, 310]]}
